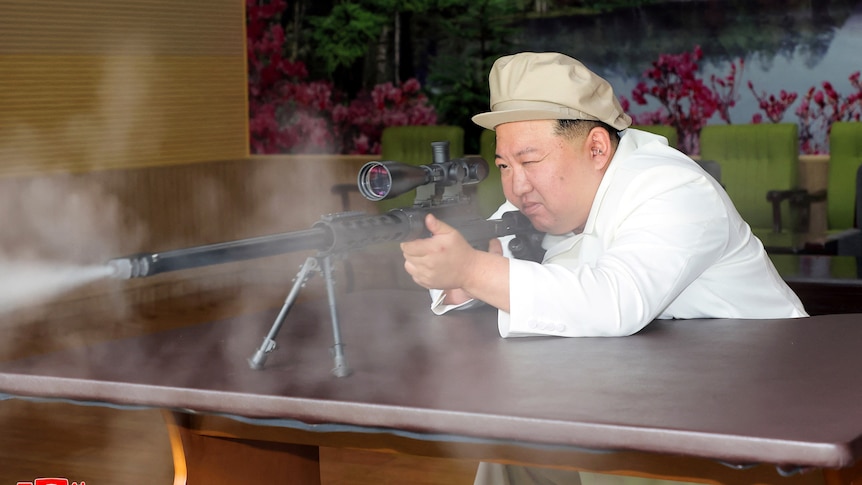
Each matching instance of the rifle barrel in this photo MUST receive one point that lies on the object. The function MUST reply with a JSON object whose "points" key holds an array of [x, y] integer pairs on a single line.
{"points": [[148, 264]]}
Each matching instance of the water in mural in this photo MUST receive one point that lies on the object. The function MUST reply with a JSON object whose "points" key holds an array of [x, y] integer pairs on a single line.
{"points": [[791, 45]]}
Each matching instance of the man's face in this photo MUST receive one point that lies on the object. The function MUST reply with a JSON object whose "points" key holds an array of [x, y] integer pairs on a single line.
{"points": [[550, 179]]}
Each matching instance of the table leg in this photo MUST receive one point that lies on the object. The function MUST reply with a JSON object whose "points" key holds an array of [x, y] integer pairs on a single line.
{"points": [[851, 475], [212, 460]]}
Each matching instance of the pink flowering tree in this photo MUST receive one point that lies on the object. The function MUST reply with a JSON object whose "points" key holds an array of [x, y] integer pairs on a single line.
{"points": [[817, 110], [773, 106], [362, 120], [288, 113], [686, 101], [725, 89]]}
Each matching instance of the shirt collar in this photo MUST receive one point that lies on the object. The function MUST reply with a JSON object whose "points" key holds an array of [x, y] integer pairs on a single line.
{"points": [[625, 147]]}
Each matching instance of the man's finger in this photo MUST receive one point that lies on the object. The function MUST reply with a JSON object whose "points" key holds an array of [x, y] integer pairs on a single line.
{"points": [[436, 226], [495, 246]]}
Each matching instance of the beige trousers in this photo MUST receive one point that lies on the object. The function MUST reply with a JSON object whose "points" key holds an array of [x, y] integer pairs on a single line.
{"points": [[497, 474]]}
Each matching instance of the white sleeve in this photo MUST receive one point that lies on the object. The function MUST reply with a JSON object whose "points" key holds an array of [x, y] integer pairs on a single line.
{"points": [[439, 308], [437, 296]]}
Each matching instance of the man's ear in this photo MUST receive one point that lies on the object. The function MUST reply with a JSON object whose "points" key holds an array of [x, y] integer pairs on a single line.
{"points": [[599, 143]]}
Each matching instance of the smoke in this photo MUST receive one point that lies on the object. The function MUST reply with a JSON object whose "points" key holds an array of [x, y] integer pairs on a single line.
{"points": [[31, 282], [59, 230], [59, 227]]}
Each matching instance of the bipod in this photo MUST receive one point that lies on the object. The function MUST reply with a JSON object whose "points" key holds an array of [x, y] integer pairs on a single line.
{"points": [[312, 265]]}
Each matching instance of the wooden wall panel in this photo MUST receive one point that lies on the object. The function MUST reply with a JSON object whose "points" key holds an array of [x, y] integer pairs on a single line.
{"points": [[98, 84]]}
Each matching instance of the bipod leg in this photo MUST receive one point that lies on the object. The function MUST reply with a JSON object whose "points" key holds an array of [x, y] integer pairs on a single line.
{"points": [[305, 273], [341, 369]]}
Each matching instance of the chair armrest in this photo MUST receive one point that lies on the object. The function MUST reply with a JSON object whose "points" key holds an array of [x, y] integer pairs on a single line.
{"points": [[794, 197], [803, 197], [803, 201], [344, 190]]}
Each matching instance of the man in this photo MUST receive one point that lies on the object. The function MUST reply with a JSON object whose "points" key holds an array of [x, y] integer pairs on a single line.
{"points": [[636, 230]]}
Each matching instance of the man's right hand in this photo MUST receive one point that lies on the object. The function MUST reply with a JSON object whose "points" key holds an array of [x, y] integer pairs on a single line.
{"points": [[446, 261]]}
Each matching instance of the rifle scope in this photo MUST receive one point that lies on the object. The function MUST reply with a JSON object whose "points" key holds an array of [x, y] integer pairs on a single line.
{"points": [[385, 179]]}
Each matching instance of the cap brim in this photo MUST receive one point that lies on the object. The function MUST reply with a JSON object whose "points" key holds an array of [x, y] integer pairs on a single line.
{"points": [[491, 119]]}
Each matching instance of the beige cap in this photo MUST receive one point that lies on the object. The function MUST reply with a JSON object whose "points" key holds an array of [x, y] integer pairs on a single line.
{"points": [[549, 86]]}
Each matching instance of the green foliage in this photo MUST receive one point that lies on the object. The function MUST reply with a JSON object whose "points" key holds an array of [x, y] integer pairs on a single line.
{"points": [[343, 37], [458, 94], [449, 45], [609, 5], [472, 36]]}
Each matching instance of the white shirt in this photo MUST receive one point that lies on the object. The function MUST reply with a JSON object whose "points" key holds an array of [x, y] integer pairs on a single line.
{"points": [[662, 240]]}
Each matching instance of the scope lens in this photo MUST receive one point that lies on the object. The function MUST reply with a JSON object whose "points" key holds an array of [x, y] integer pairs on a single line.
{"points": [[375, 181]]}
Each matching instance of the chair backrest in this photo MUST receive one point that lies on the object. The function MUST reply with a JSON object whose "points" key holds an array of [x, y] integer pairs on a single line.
{"points": [[711, 167], [859, 197], [666, 131], [490, 191], [412, 145], [754, 159], [845, 158]]}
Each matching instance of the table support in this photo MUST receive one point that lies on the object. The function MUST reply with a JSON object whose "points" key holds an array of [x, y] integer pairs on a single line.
{"points": [[286, 454], [846, 476], [212, 460]]}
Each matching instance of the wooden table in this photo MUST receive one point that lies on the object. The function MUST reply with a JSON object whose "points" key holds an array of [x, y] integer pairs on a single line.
{"points": [[726, 400]]}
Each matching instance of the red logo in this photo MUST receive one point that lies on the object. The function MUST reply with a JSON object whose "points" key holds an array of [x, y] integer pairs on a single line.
{"points": [[51, 481]]}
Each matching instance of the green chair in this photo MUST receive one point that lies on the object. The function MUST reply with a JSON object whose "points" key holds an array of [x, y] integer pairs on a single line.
{"points": [[842, 184], [843, 193], [760, 171], [843, 196], [666, 131], [845, 158], [710, 166], [412, 145], [489, 193]]}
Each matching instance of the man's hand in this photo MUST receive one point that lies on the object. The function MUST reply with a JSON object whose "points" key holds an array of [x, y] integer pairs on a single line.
{"points": [[440, 261], [446, 261]]}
